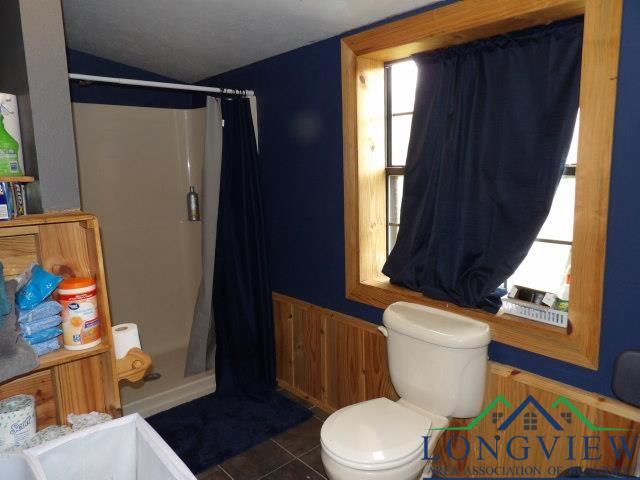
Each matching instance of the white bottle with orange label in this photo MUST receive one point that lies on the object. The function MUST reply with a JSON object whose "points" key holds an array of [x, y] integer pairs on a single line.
{"points": [[80, 321]]}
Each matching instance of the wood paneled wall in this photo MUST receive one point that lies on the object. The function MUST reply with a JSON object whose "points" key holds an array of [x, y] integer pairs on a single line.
{"points": [[332, 359], [335, 360]]}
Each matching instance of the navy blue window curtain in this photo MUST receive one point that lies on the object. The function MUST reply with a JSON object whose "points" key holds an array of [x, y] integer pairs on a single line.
{"points": [[492, 126], [245, 353]]}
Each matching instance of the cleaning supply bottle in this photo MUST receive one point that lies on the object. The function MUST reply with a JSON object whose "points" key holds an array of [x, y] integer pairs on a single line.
{"points": [[9, 109], [9, 147], [193, 205]]}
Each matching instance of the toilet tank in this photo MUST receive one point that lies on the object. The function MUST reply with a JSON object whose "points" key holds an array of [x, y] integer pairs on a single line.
{"points": [[437, 359]]}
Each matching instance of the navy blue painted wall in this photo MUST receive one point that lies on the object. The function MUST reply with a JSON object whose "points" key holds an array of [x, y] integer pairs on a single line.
{"points": [[299, 105], [80, 62], [300, 121]]}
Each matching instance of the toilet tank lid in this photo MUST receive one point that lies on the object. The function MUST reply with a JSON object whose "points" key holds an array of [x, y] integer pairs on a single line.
{"points": [[436, 326]]}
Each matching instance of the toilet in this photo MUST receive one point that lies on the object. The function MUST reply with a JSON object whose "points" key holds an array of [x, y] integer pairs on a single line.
{"points": [[438, 365]]}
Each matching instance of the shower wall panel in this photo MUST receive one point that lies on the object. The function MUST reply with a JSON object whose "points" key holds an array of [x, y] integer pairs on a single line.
{"points": [[135, 167]]}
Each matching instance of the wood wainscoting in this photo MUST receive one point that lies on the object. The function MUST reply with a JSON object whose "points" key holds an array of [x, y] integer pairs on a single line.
{"points": [[335, 360]]}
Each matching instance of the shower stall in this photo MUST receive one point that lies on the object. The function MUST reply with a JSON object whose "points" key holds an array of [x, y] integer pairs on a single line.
{"points": [[136, 165]]}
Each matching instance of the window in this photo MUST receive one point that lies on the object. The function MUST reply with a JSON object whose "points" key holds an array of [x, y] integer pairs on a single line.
{"points": [[549, 258], [364, 56], [400, 88]]}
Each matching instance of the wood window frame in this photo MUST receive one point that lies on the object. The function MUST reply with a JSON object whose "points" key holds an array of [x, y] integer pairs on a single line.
{"points": [[363, 57]]}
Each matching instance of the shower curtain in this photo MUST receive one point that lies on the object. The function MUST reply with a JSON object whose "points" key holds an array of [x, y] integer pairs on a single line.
{"points": [[202, 342], [245, 354], [233, 328]]}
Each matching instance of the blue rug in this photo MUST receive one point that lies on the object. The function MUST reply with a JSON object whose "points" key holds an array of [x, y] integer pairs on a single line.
{"points": [[209, 430]]}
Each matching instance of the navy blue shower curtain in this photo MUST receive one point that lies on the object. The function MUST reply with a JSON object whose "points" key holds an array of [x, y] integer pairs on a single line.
{"points": [[245, 354], [491, 130]]}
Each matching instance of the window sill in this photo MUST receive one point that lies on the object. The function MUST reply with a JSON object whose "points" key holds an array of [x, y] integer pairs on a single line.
{"points": [[511, 330]]}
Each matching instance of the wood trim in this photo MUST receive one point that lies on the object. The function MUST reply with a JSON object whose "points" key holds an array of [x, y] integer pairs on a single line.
{"points": [[371, 166], [350, 160], [598, 91], [511, 330], [47, 218], [364, 52], [353, 367], [458, 23]]}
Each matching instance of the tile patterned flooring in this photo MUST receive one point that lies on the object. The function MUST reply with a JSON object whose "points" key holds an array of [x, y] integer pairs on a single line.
{"points": [[292, 455]]}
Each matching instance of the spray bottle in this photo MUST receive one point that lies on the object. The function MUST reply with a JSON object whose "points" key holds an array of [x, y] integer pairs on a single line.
{"points": [[9, 148]]}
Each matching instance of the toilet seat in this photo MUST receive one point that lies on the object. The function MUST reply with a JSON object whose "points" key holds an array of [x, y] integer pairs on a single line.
{"points": [[374, 435]]}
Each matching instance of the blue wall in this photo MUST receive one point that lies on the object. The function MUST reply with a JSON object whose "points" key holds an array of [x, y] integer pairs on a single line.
{"points": [[300, 119], [80, 62]]}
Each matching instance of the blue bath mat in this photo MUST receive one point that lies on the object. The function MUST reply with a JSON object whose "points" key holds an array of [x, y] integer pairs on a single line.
{"points": [[212, 429]]}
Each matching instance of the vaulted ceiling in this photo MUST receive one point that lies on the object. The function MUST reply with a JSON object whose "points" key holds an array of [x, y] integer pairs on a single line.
{"points": [[193, 39]]}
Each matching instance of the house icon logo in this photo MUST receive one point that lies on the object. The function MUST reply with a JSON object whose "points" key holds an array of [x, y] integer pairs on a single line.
{"points": [[531, 439], [532, 414]]}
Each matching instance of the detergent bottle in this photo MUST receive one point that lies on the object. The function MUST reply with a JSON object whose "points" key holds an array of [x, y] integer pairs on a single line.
{"points": [[9, 148]]}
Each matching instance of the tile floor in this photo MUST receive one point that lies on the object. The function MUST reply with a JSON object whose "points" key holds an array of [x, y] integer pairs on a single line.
{"points": [[292, 455]]}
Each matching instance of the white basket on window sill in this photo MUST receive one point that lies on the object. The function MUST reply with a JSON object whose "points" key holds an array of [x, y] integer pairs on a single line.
{"points": [[538, 313]]}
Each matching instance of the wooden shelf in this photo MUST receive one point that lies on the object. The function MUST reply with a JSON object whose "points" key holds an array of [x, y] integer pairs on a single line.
{"points": [[22, 179], [65, 381], [46, 219], [65, 356]]}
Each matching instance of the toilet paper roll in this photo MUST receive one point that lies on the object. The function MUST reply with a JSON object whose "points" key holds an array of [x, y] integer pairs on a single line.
{"points": [[17, 420], [125, 337], [12, 121]]}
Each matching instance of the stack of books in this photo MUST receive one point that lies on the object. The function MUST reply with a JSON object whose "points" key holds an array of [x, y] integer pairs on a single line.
{"points": [[12, 200]]}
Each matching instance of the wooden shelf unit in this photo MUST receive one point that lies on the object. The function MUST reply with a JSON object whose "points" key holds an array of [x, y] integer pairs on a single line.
{"points": [[66, 356], [64, 381], [21, 179]]}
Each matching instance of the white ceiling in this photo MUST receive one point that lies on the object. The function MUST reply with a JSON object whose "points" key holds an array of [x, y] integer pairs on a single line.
{"points": [[193, 39]]}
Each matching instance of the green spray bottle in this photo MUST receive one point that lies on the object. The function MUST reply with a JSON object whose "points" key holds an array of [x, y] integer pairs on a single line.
{"points": [[9, 165]]}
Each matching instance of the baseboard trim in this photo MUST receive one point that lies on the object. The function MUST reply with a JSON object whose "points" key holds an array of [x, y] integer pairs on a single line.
{"points": [[299, 393], [171, 398]]}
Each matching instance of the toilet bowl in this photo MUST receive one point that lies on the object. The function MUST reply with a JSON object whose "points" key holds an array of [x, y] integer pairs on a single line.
{"points": [[437, 361], [378, 440]]}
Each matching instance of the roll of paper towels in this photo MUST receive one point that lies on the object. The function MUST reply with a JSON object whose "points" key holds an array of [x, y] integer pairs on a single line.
{"points": [[17, 420], [125, 337], [9, 110]]}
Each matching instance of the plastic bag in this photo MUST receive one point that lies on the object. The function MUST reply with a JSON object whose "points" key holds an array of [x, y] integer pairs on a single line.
{"points": [[43, 335], [46, 347], [50, 433], [40, 286], [39, 325], [46, 309], [24, 277], [86, 420]]}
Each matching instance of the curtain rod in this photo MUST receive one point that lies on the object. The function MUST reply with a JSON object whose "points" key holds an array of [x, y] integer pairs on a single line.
{"points": [[169, 86]]}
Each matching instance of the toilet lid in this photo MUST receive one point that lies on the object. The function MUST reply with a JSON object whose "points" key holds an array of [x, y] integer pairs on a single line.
{"points": [[374, 432]]}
